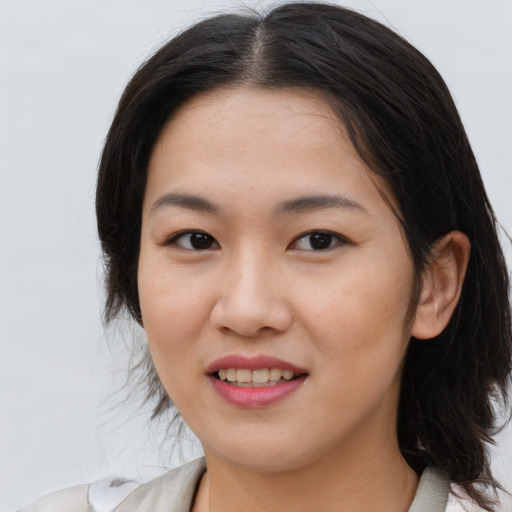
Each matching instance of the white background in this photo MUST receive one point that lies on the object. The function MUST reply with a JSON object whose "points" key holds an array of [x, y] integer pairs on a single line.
{"points": [[63, 64]]}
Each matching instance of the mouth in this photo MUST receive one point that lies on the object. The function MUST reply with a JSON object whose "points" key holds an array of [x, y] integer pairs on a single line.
{"points": [[259, 378], [254, 382]]}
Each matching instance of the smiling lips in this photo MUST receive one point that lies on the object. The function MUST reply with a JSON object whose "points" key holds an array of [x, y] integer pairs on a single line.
{"points": [[254, 382], [255, 378]]}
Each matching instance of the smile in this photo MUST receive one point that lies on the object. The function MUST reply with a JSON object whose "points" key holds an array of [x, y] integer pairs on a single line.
{"points": [[262, 377], [254, 382]]}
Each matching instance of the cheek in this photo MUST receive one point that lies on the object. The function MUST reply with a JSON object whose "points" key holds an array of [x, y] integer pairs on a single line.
{"points": [[358, 328], [168, 296], [360, 314], [171, 312], [170, 320]]}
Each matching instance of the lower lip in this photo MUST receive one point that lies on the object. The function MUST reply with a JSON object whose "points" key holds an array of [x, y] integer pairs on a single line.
{"points": [[255, 397]]}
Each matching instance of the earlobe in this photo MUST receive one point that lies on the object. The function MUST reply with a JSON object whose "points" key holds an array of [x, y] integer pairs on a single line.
{"points": [[441, 285]]}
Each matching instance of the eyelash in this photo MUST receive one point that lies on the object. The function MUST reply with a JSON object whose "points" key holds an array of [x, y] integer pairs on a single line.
{"points": [[333, 237], [182, 234], [211, 243]]}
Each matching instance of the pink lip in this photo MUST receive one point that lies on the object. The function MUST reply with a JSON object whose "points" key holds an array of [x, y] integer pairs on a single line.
{"points": [[252, 363], [253, 397]]}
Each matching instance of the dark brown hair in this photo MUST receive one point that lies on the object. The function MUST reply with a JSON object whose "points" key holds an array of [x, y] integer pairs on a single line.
{"points": [[404, 124]]}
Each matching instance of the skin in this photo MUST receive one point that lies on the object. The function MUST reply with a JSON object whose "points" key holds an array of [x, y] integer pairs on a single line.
{"points": [[260, 288]]}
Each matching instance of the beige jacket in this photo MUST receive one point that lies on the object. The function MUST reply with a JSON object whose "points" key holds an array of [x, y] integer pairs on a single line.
{"points": [[174, 492]]}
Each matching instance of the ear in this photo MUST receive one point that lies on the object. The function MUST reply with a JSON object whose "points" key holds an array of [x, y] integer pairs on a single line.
{"points": [[441, 284]]}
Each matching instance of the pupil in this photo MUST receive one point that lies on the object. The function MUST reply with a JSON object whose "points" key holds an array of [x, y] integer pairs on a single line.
{"points": [[200, 241], [320, 240]]}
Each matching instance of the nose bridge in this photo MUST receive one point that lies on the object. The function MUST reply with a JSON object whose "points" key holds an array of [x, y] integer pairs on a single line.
{"points": [[251, 298], [251, 283]]}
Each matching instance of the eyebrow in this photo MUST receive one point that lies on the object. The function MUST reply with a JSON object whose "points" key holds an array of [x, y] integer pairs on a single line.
{"points": [[319, 202], [299, 205], [188, 201]]}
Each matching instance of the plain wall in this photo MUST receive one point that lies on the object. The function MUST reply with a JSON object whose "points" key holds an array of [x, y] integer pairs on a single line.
{"points": [[63, 65]]}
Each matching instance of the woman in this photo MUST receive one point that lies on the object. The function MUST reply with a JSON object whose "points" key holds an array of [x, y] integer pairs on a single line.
{"points": [[290, 207]]}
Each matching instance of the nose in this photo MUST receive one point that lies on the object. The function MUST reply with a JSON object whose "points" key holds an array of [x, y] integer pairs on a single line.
{"points": [[251, 301]]}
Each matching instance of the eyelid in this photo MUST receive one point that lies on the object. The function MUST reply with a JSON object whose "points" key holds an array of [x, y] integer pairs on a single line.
{"points": [[175, 237], [172, 240], [341, 239]]}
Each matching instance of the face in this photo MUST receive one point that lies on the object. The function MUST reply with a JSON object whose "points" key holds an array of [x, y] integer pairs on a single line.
{"points": [[274, 281]]}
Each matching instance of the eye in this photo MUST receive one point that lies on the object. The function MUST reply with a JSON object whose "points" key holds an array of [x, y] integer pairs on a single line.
{"points": [[193, 240], [317, 241]]}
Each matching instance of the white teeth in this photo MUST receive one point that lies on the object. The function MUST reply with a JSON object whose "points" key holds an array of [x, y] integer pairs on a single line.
{"points": [[254, 384], [260, 376], [255, 378], [243, 375], [275, 373]]}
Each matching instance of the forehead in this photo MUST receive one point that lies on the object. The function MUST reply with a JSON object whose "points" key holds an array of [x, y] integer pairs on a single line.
{"points": [[244, 116], [246, 138]]}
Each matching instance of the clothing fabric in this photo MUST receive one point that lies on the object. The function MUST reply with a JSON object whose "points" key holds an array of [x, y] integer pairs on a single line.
{"points": [[175, 490]]}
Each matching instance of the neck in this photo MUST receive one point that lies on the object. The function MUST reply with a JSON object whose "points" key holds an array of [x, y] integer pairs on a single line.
{"points": [[369, 479]]}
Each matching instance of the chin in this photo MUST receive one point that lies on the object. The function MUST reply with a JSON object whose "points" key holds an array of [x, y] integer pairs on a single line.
{"points": [[264, 457]]}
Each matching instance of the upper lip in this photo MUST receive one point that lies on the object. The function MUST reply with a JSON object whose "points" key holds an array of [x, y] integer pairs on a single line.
{"points": [[252, 363]]}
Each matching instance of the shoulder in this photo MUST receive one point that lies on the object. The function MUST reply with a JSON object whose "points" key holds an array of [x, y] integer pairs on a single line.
{"points": [[173, 492], [459, 502], [112, 494], [73, 499], [101, 496], [436, 493]]}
